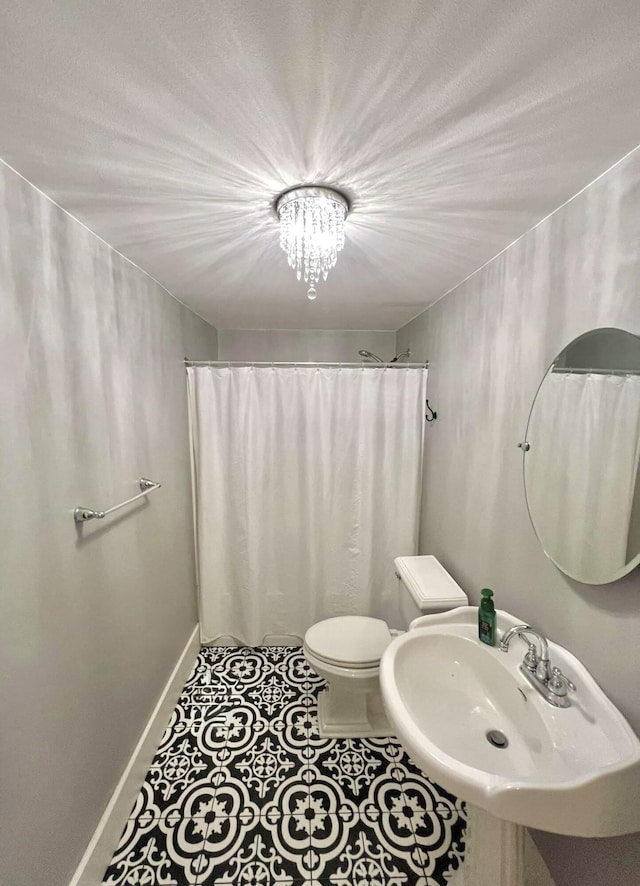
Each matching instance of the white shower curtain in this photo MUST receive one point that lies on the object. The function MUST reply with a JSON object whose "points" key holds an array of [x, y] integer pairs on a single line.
{"points": [[307, 483], [582, 467]]}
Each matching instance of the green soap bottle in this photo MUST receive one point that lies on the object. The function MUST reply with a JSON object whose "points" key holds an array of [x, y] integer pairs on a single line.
{"points": [[487, 618]]}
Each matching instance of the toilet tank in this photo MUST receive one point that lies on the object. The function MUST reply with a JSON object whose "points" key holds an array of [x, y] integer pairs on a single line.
{"points": [[426, 587]]}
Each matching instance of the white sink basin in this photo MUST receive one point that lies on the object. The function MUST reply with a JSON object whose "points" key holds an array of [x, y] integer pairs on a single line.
{"points": [[572, 771]]}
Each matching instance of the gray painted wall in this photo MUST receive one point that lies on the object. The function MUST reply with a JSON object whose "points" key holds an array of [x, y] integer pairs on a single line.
{"points": [[304, 344], [490, 342], [91, 622]]}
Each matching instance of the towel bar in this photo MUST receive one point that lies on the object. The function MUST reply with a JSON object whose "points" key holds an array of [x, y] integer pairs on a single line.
{"points": [[81, 515]]}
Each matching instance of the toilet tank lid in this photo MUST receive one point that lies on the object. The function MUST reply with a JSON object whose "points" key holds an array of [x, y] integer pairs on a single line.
{"points": [[429, 583]]}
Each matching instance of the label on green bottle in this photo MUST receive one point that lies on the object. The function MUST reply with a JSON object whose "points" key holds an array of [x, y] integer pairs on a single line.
{"points": [[486, 631]]}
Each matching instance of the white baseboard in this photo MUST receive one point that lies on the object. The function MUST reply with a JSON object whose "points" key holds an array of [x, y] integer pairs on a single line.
{"points": [[498, 854], [101, 847], [536, 872]]}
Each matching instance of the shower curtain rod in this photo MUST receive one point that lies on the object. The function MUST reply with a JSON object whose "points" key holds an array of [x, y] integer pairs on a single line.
{"points": [[362, 365]]}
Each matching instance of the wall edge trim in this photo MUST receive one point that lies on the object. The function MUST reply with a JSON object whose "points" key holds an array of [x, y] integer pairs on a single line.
{"points": [[522, 236], [109, 246]]}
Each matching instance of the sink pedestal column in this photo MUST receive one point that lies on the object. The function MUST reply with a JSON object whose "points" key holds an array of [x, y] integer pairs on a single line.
{"points": [[494, 854]]}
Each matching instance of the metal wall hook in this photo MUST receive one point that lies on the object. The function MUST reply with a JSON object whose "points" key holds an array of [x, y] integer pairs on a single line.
{"points": [[431, 414]]}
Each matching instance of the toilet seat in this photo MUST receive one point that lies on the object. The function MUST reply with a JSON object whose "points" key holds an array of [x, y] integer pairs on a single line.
{"points": [[350, 641]]}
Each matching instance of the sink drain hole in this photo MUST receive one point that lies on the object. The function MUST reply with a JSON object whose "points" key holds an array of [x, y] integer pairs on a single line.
{"points": [[497, 739]]}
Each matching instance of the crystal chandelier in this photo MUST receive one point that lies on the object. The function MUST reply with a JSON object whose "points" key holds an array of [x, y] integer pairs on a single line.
{"points": [[312, 231]]}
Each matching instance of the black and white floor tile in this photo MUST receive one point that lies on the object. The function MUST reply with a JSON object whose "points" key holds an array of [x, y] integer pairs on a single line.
{"points": [[243, 791]]}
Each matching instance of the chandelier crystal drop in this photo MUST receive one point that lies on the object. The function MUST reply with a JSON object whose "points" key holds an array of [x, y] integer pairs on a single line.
{"points": [[312, 231]]}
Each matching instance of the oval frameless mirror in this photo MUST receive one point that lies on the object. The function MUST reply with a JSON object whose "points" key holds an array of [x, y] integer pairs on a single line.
{"points": [[581, 457]]}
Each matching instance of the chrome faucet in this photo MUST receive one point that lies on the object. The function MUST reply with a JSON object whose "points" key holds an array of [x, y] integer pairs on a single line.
{"points": [[536, 663], [550, 682]]}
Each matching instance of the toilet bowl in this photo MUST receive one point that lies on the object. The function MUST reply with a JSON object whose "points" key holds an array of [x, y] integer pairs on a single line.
{"points": [[346, 650]]}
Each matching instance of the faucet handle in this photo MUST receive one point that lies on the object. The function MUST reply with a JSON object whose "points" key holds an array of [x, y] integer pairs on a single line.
{"points": [[560, 685], [530, 660]]}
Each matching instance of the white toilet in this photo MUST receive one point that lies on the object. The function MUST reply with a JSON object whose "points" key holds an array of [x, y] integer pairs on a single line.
{"points": [[346, 651]]}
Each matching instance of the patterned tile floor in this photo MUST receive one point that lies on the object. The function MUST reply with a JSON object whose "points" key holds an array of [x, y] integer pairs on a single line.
{"points": [[244, 792]]}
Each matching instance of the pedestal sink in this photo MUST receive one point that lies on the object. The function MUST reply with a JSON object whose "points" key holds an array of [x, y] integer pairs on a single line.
{"points": [[476, 726]]}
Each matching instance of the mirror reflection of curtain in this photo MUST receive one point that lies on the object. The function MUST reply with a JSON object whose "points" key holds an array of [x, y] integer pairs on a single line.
{"points": [[581, 470], [307, 483]]}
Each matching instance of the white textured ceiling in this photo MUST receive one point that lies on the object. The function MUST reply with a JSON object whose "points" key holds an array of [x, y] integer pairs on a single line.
{"points": [[169, 126]]}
